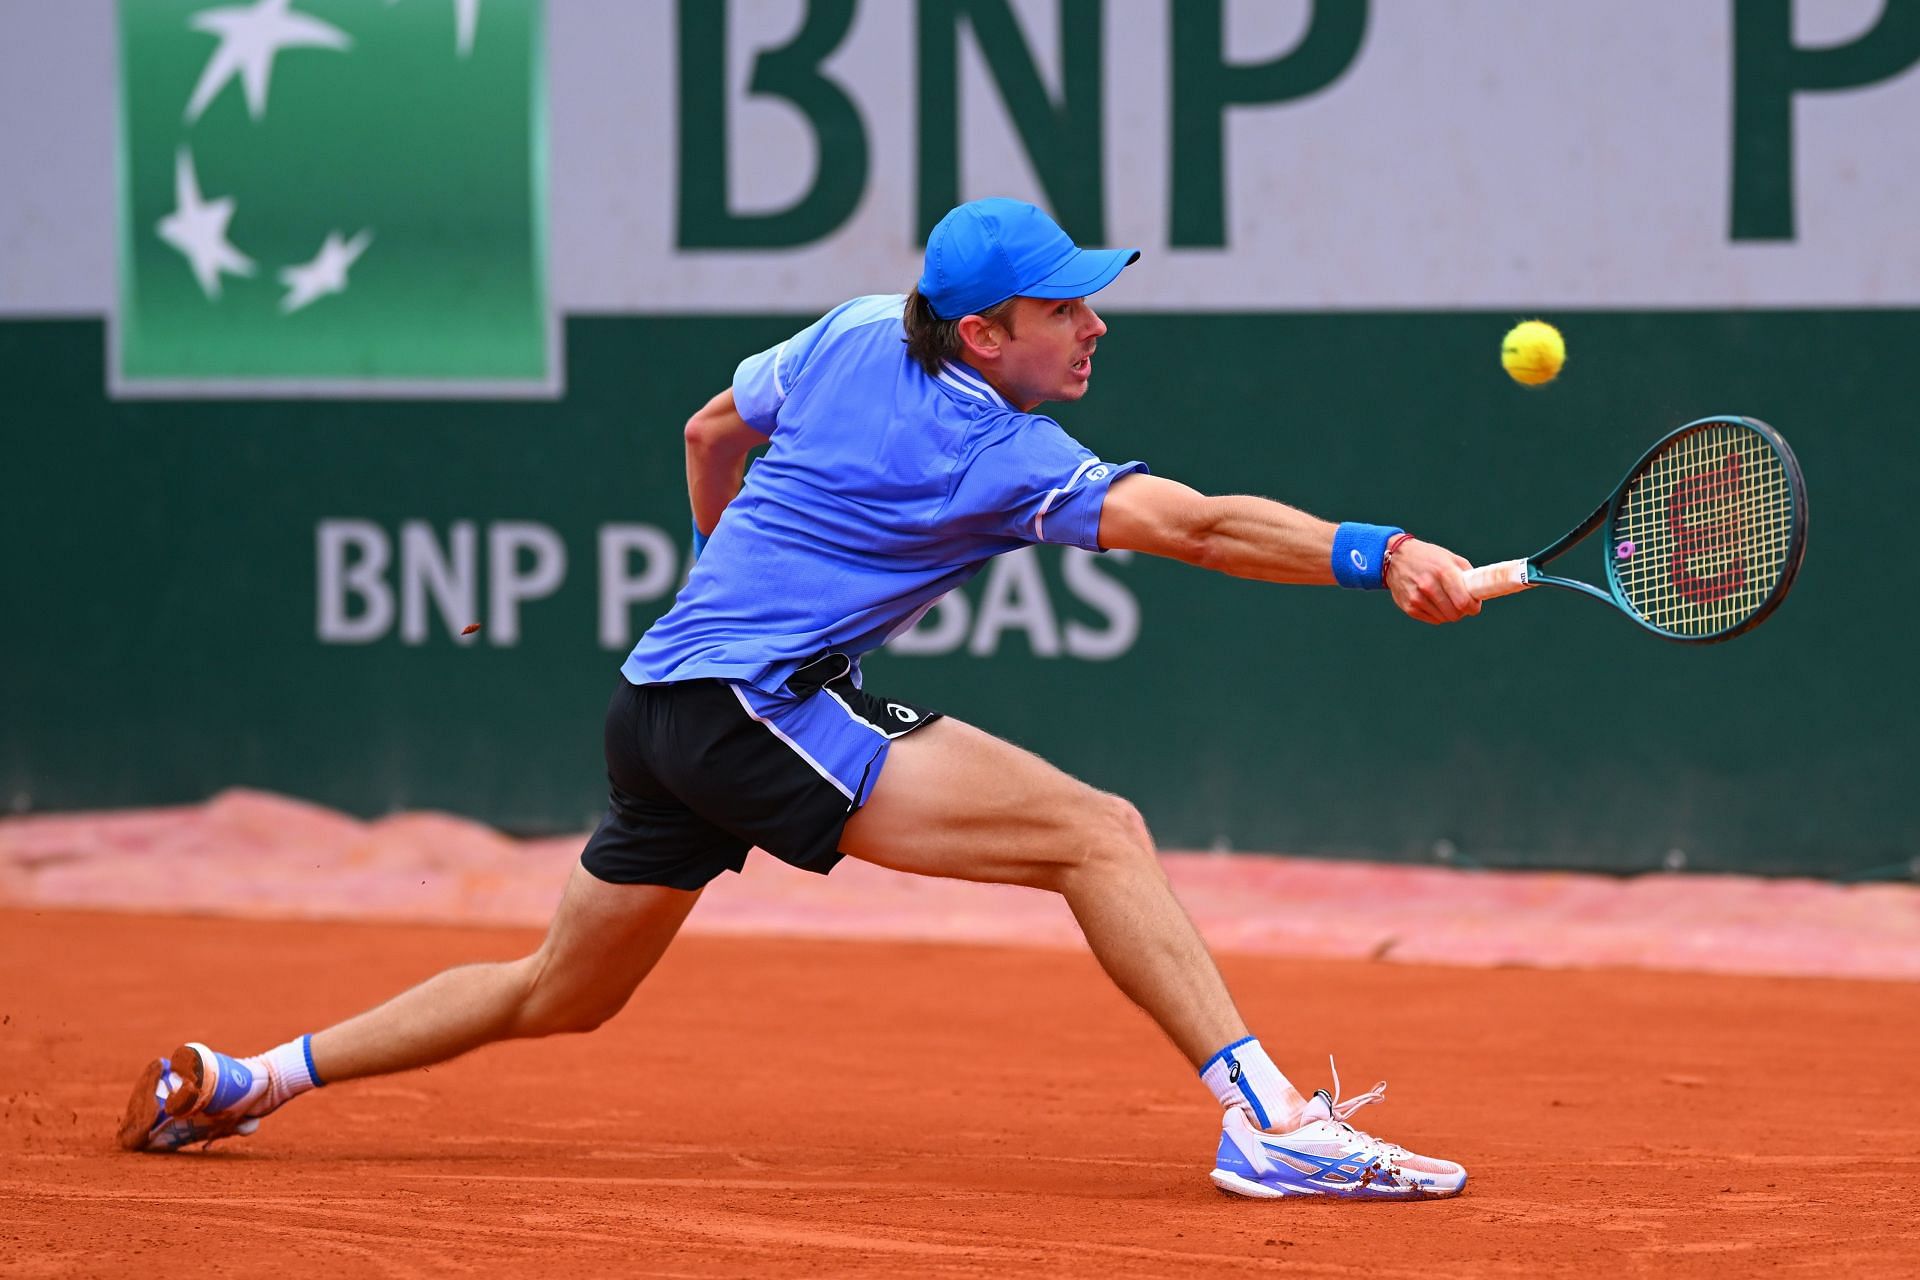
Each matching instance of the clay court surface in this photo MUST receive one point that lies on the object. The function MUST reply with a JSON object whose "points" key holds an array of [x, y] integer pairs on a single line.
{"points": [[818, 1108]]}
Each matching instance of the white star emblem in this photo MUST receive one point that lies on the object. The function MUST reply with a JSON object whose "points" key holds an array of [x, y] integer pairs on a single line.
{"points": [[250, 38], [326, 274], [466, 18], [198, 229]]}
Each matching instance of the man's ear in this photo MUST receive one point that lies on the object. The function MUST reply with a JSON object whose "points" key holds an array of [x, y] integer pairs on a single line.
{"points": [[981, 336]]}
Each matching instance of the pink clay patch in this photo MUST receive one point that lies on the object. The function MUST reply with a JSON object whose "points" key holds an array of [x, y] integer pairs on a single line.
{"points": [[247, 853]]}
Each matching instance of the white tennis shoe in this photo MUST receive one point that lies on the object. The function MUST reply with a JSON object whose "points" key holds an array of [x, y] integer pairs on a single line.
{"points": [[195, 1095], [1325, 1156]]}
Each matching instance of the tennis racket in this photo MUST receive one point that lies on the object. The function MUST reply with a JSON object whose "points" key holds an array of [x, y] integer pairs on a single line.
{"points": [[1704, 536]]}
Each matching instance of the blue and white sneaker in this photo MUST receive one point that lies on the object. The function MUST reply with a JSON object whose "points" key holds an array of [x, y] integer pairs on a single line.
{"points": [[195, 1095], [1325, 1156]]}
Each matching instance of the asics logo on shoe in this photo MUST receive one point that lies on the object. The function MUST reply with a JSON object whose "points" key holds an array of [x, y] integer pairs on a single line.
{"points": [[1351, 1166]]}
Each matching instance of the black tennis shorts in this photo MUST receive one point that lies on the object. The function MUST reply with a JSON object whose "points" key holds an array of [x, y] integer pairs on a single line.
{"points": [[701, 771]]}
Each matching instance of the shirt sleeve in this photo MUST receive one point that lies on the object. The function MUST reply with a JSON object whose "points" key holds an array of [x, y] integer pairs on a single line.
{"points": [[1036, 483], [762, 382]]}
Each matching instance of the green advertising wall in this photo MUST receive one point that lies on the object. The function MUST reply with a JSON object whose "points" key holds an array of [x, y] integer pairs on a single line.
{"points": [[164, 603]]}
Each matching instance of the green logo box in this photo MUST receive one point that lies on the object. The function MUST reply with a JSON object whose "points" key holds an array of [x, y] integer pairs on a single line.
{"points": [[333, 198]]}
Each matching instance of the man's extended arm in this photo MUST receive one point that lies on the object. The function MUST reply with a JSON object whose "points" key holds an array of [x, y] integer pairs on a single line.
{"points": [[718, 442], [1258, 538]]}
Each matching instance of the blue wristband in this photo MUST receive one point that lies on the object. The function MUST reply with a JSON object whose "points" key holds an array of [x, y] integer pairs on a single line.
{"points": [[1360, 554], [699, 541]]}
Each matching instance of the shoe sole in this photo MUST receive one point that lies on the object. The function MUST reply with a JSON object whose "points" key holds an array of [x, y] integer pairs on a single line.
{"points": [[136, 1123], [1235, 1185], [190, 1063]]}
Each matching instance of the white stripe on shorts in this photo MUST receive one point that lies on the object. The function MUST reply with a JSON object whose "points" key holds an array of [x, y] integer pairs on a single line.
{"points": [[798, 750]]}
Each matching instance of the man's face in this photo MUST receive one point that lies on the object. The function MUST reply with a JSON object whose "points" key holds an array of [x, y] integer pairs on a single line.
{"points": [[1047, 353]]}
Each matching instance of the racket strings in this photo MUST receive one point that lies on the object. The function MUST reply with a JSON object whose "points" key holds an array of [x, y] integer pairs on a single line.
{"points": [[1705, 530]]}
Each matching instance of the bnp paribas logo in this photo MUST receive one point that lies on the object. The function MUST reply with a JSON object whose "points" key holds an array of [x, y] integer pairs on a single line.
{"points": [[333, 197]]}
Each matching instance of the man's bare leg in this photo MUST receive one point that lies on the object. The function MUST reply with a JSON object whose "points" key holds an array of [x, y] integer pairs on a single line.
{"points": [[957, 802], [953, 801], [604, 938]]}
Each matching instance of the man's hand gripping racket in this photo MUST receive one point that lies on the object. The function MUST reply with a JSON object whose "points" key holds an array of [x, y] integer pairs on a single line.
{"points": [[1704, 536], [1428, 582]]}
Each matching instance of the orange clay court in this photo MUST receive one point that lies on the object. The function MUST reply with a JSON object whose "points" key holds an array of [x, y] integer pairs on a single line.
{"points": [[804, 1106]]}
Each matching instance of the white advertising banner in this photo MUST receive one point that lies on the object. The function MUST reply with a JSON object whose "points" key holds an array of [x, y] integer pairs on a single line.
{"points": [[1266, 155]]}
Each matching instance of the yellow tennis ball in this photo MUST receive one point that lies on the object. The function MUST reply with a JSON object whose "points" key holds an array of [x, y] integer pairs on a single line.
{"points": [[1532, 352]]}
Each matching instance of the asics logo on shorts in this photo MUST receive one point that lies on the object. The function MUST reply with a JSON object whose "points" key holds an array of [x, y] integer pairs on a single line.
{"points": [[905, 715]]}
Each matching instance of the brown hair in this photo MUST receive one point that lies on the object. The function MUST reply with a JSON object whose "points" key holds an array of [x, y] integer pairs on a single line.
{"points": [[931, 340]]}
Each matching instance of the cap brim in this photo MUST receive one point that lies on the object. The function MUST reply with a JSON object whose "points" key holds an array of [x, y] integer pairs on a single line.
{"points": [[1087, 271]]}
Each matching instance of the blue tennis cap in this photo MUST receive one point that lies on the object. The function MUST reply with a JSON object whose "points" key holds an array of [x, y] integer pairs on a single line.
{"points": [[986, 251]]}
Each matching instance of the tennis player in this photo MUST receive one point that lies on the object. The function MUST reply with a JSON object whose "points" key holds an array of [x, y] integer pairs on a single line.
{"points": [[902, 454]]}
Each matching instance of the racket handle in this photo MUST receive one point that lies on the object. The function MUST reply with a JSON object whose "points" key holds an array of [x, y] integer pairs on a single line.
{"points": [[1503, 579]]}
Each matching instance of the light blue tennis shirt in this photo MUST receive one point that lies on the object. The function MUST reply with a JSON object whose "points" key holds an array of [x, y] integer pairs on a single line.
{"points": [[883, 489]]}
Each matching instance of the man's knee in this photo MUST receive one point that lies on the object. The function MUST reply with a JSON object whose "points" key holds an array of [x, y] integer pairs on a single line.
{"points": [[1131, 824], [554, 1003], [543, 1015], [1111, 838]]}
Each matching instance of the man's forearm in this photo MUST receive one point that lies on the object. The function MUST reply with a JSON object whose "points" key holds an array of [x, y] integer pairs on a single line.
{"points": [[718, 442], [714, 477], [1265, 540]]}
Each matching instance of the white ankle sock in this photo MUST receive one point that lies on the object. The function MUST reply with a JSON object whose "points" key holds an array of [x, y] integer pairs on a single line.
{"points": [[288, 1070], [1242, 1075]]}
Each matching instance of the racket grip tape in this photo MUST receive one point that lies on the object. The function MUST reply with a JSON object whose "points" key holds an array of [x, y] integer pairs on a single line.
{"points": [[1503, 579]]}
